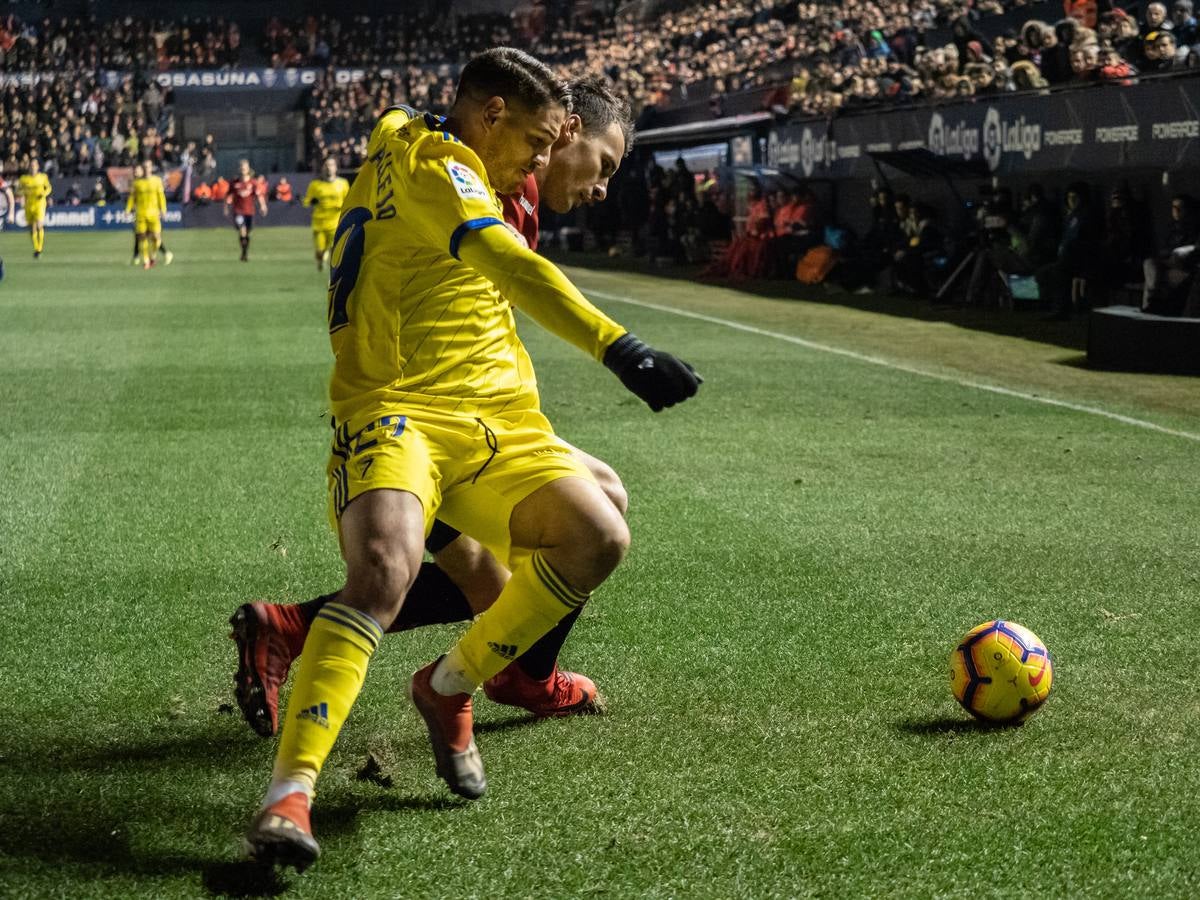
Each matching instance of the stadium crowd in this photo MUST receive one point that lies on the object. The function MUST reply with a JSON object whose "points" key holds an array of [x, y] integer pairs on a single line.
{"points": [[815, 58], [66, 45], [77, 128]]}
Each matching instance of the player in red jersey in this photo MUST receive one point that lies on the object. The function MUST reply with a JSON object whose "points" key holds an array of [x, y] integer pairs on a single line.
{"points": [[244, 195], [582, 161], [465, 579]]}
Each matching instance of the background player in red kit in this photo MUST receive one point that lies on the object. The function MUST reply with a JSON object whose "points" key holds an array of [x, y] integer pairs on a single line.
{"points": [[244, 194], [464, 578]]}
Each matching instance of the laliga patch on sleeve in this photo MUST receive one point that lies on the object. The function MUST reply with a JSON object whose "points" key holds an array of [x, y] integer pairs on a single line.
{"points": [[520, 237], [469, 185]]}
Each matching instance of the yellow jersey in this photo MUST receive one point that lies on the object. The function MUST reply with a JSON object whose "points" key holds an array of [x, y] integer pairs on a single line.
{"points": [[390, 121], [147, 199], [326, 198], [411, 325], [34, 190]]}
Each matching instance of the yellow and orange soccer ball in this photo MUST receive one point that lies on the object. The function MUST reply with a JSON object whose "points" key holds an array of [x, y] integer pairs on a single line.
{"points": [[1001, 672]]}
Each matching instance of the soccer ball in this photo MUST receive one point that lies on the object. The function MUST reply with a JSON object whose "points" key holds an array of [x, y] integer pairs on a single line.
{"points": [[1001, 672]]}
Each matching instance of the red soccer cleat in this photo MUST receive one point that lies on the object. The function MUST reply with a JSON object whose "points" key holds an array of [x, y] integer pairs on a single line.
{"points": [[266, 643], [282, 834], [559, 694], [449, 720]]}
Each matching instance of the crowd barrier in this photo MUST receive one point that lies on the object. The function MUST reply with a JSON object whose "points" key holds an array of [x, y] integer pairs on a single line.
{"points": [[86, 217], [1153, 125]]}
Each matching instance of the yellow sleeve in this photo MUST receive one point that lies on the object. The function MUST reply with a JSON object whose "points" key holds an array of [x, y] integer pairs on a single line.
{"points": [[310, 197], [444, 195], [46, 189], [162, 196], [129, 204], [536, 286]]}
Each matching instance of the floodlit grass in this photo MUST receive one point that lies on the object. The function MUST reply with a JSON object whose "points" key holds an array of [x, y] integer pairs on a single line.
{"points": [[811, 536]]}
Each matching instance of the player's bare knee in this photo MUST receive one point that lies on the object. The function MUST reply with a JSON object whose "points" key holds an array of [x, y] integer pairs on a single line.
{"points": [[379, 579], [600, 543], [615, 491]]}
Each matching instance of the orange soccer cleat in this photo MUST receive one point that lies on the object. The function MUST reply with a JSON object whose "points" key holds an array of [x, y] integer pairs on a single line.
{"points": [[281, 834], [265, 653], [559, 694], [449, 720]]}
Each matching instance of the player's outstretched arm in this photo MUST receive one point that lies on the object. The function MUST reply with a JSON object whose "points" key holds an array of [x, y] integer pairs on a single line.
{"points": [[539, 288]]}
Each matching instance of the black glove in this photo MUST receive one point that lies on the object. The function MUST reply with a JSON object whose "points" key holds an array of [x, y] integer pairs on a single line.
{"points": [[658, 378]]}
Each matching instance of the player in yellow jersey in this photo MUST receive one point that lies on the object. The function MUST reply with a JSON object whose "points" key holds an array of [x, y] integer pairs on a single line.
{"points": [[436, 413], [35, 190], [325, 195], [146, 170], [147, 201], [464, 579]]}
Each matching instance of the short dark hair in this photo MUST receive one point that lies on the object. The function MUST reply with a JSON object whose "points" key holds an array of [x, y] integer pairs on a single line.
{"points": [[598, 107], [514, 75]]}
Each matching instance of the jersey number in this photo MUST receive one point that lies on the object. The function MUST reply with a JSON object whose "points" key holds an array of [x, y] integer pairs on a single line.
{"points": [[344, 263]]}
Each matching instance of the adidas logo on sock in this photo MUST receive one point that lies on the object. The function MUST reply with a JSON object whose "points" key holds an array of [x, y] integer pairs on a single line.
{"points": [[508, 651], [318, 714]]}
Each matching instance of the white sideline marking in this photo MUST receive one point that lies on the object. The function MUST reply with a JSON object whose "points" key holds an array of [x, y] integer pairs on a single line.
{"points": [[901, 367]]}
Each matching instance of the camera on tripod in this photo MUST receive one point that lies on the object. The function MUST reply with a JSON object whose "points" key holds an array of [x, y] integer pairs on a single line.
{"points": [[995, 214]]}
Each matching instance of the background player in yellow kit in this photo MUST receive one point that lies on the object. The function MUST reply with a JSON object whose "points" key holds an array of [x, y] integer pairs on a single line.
{"points": [[436, 412], [148, 202], [34, 189], [325, 195]]}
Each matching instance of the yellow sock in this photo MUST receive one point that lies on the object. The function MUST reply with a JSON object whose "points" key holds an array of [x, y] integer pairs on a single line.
{"points": [[535, 599], [330, 675], [143, 247], [155, 243], [35, 235]]}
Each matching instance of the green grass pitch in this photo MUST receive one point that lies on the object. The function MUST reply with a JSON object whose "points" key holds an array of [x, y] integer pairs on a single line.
{"points": [[811, 536]]}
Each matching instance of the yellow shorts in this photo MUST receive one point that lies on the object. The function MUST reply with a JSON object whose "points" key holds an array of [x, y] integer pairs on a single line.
{"points": [[35, 213], [469, 473], [147, 225], [323, 237]]}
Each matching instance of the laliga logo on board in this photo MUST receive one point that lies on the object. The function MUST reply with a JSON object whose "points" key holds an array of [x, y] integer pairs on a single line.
{"points": [[1013, 136], [806, 152], [816, 151], [992, 149], [952, 140], [937, 135]]}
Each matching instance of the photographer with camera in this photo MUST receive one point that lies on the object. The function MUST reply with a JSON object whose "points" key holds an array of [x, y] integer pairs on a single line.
{"points": [[1011, 243]]}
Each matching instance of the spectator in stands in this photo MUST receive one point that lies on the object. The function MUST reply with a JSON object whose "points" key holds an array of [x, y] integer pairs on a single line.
{"points": [[1167, 273], [1184, 23], [1085, 64], [283, 191], [1063, 282], [1162, 53], [1154, 19], [1027, 77]]}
